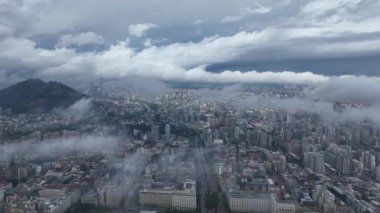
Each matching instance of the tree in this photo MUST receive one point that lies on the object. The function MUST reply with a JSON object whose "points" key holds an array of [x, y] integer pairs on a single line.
{"points": [[212, 201]]}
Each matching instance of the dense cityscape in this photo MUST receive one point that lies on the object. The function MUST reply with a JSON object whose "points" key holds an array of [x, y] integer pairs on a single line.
{"points": [[178, 152]]}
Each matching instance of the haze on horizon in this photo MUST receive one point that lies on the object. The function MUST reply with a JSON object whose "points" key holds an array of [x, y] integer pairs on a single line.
{"points": [[223, 41]]}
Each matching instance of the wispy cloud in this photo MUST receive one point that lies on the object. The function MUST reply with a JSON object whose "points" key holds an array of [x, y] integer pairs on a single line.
{"points": [[139, 30], [80, 39], [247, 11]]}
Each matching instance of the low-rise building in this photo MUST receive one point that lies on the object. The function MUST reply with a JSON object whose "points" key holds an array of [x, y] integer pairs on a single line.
{"points": [[170, 198], [245, 201]]}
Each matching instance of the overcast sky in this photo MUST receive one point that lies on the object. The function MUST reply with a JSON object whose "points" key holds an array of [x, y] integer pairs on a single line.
{"points": [[254, 41]]}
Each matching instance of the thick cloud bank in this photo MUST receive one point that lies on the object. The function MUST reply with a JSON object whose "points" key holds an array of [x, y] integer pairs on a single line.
{"points": [[175, 62], [48, 39]]}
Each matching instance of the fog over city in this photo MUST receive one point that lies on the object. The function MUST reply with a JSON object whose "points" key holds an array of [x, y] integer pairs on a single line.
{"points": [[317, 99], [58, 147]]}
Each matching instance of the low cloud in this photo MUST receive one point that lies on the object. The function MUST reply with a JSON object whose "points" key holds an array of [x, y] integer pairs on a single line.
{"points": [[58, 147], [139, 30], [80, 107], [226, 94], [79, 110], [358, 90], [80, 39], [318, 99]]}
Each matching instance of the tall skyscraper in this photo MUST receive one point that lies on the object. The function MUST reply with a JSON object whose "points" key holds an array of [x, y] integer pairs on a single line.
{"points": [[167, 131]]}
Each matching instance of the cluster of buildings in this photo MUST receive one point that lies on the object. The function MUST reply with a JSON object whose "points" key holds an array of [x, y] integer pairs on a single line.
{"points": [[21, 125], [175, 151], [169, 182], [315, 164]]}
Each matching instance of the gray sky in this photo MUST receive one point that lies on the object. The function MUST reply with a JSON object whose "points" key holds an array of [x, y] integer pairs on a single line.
{"points": [[242, 41]]}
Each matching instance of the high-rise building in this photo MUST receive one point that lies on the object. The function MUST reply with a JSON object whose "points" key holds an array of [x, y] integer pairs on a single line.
{"points": [[340, 158], [343, 164], [278, 162], [315, 162], [237, 131], [325, 199], [2, 195], [369, 161], [167, 131], [264, 140], [377, 173], [155, 133], [22, 173]]}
